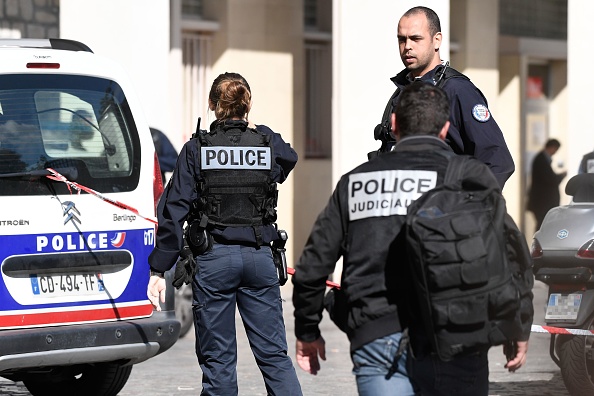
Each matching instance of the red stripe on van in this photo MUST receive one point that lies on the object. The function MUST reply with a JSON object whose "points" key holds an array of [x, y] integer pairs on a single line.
{"points": [[72, 317]]}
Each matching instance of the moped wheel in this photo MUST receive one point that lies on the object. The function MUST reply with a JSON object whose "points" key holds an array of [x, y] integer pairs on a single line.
{"points": [[576, 355]]}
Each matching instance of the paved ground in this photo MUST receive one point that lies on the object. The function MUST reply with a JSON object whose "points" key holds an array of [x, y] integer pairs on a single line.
{"points": [[176, 372]]}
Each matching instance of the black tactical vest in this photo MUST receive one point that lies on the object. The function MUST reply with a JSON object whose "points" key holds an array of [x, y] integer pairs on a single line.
{"points": [[236, 188]]}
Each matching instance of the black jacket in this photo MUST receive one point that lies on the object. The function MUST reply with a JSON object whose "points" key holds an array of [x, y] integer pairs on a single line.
{"points": [[366, 234], [369, 265], [180, 192], [544, 186]]}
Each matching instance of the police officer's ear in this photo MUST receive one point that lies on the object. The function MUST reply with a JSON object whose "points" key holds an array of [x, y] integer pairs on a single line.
{"points": [[211, 105], [437, 41], [444, 131]]}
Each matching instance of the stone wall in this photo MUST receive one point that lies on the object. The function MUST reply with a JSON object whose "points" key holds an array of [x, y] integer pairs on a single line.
{"points": [[29, 18]]}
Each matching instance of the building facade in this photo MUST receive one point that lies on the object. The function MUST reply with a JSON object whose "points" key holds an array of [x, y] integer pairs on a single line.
{"points": [[320, 69]]}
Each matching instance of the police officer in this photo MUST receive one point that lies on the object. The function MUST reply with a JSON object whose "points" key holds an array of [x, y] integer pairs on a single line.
{"points": [[473, 129], [224, 186], [362, 223]]}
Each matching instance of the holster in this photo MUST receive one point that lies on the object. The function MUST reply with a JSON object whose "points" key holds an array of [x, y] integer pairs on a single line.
{"points": [[198, 238], [279, 257]]}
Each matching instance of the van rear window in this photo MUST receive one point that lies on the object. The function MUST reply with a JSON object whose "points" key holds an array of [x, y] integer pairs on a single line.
{"points": [[82, 125]]}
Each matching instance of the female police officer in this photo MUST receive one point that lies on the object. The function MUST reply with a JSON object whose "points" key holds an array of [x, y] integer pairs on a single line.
{"points": [[224, 185]]}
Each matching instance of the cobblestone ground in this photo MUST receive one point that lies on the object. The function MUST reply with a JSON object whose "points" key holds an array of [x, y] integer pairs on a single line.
{"points": [[176, 372]]}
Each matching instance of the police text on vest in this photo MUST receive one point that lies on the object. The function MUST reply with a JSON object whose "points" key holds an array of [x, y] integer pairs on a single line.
{"points": [[223, 157], [386, 193]]}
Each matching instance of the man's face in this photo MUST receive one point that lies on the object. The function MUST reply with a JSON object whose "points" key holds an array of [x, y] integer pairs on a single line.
{"points": [[552, 150], [418, 49]]}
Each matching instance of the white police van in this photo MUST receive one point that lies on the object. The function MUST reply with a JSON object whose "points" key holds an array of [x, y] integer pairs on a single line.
{"points": [[79, 181]]}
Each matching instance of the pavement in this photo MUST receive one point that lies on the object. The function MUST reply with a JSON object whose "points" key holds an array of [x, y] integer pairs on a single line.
{"points": [[176, 372]]}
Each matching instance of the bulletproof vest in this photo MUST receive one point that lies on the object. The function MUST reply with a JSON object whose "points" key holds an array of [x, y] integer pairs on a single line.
{"points": [[236, 188]]}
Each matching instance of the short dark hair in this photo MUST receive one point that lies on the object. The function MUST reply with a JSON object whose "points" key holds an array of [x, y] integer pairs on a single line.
{"points": [[422, 109], [432, 18], [553, 143]]}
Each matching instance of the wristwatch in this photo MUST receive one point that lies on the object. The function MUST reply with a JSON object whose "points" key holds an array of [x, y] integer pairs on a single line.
{"points": [[157, 273]]}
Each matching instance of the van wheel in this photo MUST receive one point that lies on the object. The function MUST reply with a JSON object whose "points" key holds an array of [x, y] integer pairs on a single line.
{"points": [[103, 379], [576, 355], [183, 308]]}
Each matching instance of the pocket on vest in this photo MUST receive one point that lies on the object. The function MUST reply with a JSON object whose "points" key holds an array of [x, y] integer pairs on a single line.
{"points": [[461, 311]]}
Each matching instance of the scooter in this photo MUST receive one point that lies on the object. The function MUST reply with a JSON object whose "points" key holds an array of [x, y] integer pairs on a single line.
{"points": [[563, 256]]}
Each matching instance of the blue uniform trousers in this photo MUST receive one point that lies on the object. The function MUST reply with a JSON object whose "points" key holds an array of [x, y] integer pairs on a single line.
{"points": [[242, 276]]}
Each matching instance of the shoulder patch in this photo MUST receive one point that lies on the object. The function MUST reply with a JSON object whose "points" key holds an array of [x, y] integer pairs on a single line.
{"points": [[481, 113]]}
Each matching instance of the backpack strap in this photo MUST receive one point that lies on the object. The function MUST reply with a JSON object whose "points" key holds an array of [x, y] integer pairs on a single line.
{"points": [[455, 170]]}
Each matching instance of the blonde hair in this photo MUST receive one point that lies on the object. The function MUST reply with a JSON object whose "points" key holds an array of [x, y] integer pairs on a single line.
{"points": [[231, 97]]}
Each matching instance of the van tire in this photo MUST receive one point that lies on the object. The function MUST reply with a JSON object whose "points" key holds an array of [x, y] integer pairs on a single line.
{"points": [[103, 379]]}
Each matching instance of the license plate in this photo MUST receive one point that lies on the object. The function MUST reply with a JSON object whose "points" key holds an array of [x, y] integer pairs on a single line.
{"points": [[56, 285], [563, 306]]}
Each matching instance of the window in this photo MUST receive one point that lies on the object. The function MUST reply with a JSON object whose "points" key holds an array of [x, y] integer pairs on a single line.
{"points": [[75, 122], [196, 49], [192, 8], [310, 13], [537, 84], [318, 96], [318, 78], [529, 18]]}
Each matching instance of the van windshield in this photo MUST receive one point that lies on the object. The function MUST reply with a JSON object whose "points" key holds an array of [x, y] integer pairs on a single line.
{"points": [[66, 121]]}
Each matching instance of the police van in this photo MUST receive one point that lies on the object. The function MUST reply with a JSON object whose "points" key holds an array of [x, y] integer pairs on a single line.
{"points": [[79, 182]]}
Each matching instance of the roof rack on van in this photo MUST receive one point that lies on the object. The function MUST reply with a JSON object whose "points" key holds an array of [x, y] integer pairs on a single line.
{"points": [[54, 43]]}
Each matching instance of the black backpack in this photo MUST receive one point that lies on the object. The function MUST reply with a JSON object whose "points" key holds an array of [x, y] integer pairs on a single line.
{"points": [[460, 244]]}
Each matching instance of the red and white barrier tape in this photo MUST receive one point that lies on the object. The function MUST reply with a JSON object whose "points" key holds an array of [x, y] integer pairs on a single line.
{"points": [[534, 328], [559, 330], [79, 187], [291, 271]]}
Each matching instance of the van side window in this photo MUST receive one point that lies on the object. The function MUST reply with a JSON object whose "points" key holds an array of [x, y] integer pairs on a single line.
{"points": [[74, 122], [72, 128]]}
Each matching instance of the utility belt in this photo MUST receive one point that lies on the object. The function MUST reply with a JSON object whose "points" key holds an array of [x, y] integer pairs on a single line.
{"points": [[200, 241], [197, 241]]}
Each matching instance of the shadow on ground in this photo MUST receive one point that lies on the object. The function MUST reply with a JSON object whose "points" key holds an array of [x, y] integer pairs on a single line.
{"points": [[554, 387]]}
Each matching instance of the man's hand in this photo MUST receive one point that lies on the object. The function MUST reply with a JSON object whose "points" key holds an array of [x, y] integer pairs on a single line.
{"points": [[520, 358], [307, 354], [156, 288]]}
